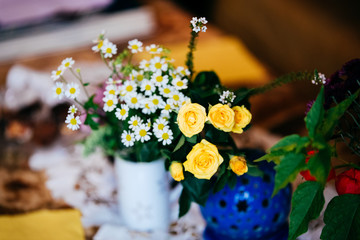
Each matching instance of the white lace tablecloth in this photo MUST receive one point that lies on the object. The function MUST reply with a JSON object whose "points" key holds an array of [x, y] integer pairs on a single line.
{"points": [[88, 184]]}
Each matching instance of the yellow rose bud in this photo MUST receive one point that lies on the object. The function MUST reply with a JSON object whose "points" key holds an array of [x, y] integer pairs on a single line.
{"points": [[238, 165], [176, 171], [242, 118], [203, 160], [222, 117], [191, 119]]}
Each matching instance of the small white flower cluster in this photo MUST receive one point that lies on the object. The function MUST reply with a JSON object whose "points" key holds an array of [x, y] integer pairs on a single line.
{"points": [[70, 90], [198, 24], [103, 45], [227, 97], [146, 98], [319, 79]]}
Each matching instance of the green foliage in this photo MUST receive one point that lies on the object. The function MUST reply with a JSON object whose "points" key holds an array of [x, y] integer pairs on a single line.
{"points": [[342, 218], [315, 116], [319, 165], [307, 203]]}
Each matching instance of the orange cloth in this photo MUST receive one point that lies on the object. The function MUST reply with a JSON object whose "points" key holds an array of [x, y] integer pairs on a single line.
{"points": [[42, 225]]}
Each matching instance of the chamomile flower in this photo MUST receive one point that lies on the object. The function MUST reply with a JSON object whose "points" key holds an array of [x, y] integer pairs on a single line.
{"points": [[137, 75], [133, 100], [135, 122], [182, 71], [156, 101], [147, 87], [147, 106], [72, 90], [159, 125], [99, 43], [111, 90], [110, 102], [144, 65], [179, 83], [153, 49], [128, 138], [135, 46], [167, 108], [123, 112], [111, 81], [108, 49], [166, 90], [67, 63], [165, 136], [142, 133], [58, 90], [158, 79], [73, 122], [128, 87], [72, 109], [176, 98], [55, 75], [158, 64]]}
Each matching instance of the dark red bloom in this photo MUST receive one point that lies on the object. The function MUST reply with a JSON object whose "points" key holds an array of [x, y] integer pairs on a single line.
{"points": [[307, 175], [348, 182]]}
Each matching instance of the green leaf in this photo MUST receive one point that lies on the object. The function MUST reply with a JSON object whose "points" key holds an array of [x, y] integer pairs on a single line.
{"points": [[307, 203], [254, 171], [89, 104], [342, 218], [184, 203], [207, 79], [221, 181], [316, 114], [286, 172], [215, 135], [86, 84], [180, 143], [192, 139], [320, 164], [333, 115], [198, 189], [94, 125], [287, 144]]}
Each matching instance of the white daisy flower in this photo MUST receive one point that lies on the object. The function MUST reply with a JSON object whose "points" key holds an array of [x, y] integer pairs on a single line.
{"points": [[135, 46], [110, 102], [179, 83], [111, 90], [108, 49], [72, 90], [165, 136], [160, 124], [73, 122], [147, 87], [137, 75], [157, 101], [176, 98], [128, 138], [134, 122], [145, 65], [167, 108], [153, 49], [58, 90], [133, 100], [157, 64], [128, 87], [166, 90], [72, 109], [183, 71], [147, 106], [142, 133], [99, 45], [158, 79], [123, 112], [55, 75], [111, 81], [67, 63]]}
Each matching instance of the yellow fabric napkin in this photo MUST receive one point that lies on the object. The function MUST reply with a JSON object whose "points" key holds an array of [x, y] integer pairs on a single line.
{"points": [[235, 65], [64, 224]]}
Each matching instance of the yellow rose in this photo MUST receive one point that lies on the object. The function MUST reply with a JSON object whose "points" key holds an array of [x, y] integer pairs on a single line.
{"points": [[238, 165], [242, 118], [203, 160], [222, 117], [191, 119], [176, 171]]}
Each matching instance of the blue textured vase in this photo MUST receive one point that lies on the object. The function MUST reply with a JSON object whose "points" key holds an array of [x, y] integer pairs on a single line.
{"points": [[248, 212]]}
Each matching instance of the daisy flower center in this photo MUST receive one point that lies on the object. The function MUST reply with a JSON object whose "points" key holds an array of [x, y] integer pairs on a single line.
{"points": [[176, 97], [135, 47], [142, 132], [147, 87], [122, 112], [58, 72], [67, 64], [135, 123], [159, 78], [167, 90], [58, 91], [167, 107], [180, 84], [108, 50], [112, 91], [100, 45], [165, 136], [129, 88], [161, 126], [110, 103], [157, 65], [73, 121], [72, 90], [134, 100], [155, 101], [140, 77], [128, 137]]}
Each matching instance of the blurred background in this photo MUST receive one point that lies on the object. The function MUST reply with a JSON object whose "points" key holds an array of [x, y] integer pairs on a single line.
{"points": [[248, 43]]}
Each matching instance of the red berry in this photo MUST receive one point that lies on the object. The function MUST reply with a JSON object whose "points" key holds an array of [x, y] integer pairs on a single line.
{"points": [[348, 182]]}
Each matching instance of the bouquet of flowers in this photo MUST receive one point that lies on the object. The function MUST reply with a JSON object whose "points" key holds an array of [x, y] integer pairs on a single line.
{"points": [[331, 120]]}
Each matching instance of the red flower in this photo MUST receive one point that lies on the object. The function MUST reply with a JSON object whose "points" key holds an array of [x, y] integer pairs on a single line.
{"points": [[307, 175], [348, 182]]}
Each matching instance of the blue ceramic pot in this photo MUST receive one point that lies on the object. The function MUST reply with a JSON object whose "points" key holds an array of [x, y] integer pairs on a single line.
{"points": [[248, 212]]}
